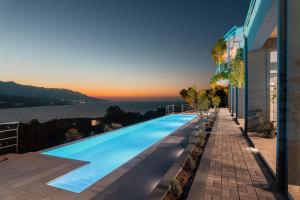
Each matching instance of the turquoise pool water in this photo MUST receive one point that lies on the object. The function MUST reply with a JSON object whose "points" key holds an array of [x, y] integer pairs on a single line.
{"points": [[107, 152]]}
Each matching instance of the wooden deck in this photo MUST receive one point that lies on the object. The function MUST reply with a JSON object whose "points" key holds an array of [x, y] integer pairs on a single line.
{"points": [[25, 176]]}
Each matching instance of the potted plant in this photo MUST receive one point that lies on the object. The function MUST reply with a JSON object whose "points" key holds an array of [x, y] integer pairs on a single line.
{"points": [[260, 119], [269, 129]]}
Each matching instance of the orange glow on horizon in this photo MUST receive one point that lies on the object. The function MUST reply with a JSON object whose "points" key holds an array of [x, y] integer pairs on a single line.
{"points": [[115, 91], [111, 92], [131, 93]]}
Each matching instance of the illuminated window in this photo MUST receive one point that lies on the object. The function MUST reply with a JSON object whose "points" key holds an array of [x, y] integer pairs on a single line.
{"points": [[273, 57]]}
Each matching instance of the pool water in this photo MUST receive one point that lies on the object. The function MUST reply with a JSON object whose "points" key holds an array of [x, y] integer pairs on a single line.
{"points": [[108, 151]]}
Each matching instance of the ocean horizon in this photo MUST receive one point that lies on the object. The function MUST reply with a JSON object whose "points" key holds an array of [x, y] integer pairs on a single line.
{"points": [[87, 110]]}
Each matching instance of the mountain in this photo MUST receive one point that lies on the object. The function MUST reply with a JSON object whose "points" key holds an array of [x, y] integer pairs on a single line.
{"points": [[10, 101], [56, 94]]}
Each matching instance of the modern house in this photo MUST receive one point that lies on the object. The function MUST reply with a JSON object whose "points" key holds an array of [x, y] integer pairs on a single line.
{"points": [[270, 39], [187, 156]]}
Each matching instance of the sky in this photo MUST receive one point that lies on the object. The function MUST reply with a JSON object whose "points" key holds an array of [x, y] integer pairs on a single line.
{"points": [[116, 49]]}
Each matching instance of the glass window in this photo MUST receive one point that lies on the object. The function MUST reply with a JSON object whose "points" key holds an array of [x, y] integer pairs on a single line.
{"points": [[273, 57]]}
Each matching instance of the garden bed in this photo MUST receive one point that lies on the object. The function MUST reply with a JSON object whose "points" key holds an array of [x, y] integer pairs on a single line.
{"points": [[180, 185], [177, 181]]}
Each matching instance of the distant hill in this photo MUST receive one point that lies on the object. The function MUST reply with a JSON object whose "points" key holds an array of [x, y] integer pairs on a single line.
{"points": [[10, 101], [15, 89]]}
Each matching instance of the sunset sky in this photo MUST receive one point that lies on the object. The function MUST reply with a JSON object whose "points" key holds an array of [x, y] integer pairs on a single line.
{"points": [[117, 49]]}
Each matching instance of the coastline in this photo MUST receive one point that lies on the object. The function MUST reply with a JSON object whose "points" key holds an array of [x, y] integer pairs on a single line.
{"points": [[86, 110]]}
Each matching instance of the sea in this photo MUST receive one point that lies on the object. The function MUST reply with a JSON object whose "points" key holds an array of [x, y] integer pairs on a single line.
{"points": [[86, 110]]}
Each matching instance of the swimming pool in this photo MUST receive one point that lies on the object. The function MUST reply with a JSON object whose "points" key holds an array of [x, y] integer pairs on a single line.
{"points": [[107, 152]]}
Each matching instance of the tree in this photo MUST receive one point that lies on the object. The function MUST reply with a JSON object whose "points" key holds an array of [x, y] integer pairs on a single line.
{"points": [[159, 112], [223, 94], [184, 94], [216, 101], [211, 93], [203, 102], [72, 135], [218, 51], [193, 96], [190, 96], [114, 114]]}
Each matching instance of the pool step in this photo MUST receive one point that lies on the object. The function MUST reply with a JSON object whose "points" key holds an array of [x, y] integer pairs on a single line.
{"points": [[73, 185], [66, 187]]}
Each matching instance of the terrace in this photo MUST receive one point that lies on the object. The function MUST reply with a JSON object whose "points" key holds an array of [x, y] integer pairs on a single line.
{"points": [[26, 176], [229, 168]]}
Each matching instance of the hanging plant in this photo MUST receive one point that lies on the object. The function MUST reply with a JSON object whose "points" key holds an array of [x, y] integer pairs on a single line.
{"points": [[219, 76], [237, 71], [219, 51], [218, 54]]}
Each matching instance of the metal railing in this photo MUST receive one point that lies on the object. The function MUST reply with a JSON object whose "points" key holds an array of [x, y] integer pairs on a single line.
{"points": [[177, 108], [9, 137]]}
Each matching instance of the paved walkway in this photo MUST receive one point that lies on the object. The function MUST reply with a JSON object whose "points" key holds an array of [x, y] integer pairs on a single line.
{"points": [[267, 148], [233, 170]]}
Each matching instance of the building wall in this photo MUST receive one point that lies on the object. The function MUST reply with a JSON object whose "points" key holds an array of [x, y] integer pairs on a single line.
{"points": [[234, 42], [259, 67], [293, 93], [257, 91]]}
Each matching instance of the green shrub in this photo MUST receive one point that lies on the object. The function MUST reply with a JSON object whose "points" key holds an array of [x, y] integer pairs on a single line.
{"points": [[193, 140], [202, 129], [115, 126], [190, 164], [210, 123], [201, 140], [198, 150], [269, 129], [216, 101], [107, 128], [176, 188], [72, 135]]}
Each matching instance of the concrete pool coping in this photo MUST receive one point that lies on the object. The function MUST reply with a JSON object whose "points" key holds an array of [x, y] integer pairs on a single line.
{"points": [[41, 177], [108, 132], [143, 178], [163, 187]]}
